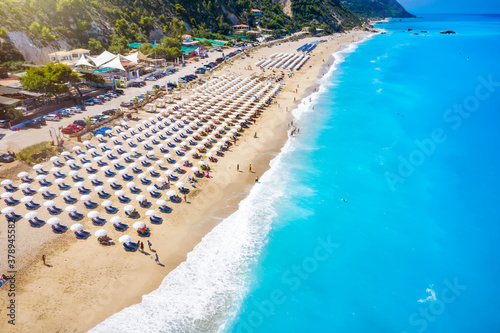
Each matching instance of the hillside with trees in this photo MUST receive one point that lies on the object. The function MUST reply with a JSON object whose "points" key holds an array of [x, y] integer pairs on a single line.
{"points": [[113, 24]]}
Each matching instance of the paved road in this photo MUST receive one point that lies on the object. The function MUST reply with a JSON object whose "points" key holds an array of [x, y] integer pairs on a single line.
{"points": [[16, 140]]}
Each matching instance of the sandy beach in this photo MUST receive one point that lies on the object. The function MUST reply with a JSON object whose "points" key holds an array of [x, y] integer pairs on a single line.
{"points": [[84, 282]]}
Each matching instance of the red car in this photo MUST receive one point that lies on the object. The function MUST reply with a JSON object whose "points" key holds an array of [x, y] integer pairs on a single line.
{"points": [[72, 128]]}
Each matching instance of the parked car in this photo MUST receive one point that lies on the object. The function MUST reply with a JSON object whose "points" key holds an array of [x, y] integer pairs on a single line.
{"points": [[72, 128], [126, 104], [80, 122], [6, 158], [119, 91], [4, 123], [33, 124], [109, 112], [200, 70], [219, 60], [89, 102], [70, 111], [171, 85], [52, 117], [64, 113], [42, 121], [218, 50], [97, 101]]}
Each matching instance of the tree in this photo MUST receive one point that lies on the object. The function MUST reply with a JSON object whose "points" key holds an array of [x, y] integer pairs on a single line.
{"points": [[312, 30], [35, 28], [45, 34], [147, 24], [95, 46], [52, 78], [3, 34]]}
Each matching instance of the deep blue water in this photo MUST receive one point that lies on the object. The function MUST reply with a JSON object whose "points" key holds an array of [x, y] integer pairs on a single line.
{"points": [[407, 132]]}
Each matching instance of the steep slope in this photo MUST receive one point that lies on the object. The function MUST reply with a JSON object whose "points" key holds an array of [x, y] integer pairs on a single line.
{"points": [[378, 8]]}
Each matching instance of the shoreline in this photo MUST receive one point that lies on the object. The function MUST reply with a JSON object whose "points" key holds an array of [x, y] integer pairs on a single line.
{"points": [[111, 281]]}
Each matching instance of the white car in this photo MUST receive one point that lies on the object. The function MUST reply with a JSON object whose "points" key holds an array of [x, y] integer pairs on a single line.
{"points": [[53, 117], [70, 111], [75, 109]]}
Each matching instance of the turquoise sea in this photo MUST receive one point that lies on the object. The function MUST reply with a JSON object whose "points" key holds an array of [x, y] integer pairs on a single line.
{"points": [[405, 129]]}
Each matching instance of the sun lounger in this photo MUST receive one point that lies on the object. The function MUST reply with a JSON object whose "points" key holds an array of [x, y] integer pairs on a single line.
{"points": [[109, 173], [77, 179], [58, 230], [69, 200], [54, 210], [82, 234], [124, 199], [155, 194], [170, 160], [58, 164], [171, 145], [156, 220], [74, 167], [98, 222], [135, 190], [119, 227], [102, 163], [31, 206], [146, 205], [127, 177], [129, 248], [42, 172], [48, 196], [11, 202], [136, 170], [165, 209], [145, 181], [118, 166], [162, 137], [90, 204], [115, 186], [174, 178], [111, 210], [146, 164], [34, 224], [121, 151], [103, 195], [91, 170], [154, 174], [63, 187], [83, 190]]}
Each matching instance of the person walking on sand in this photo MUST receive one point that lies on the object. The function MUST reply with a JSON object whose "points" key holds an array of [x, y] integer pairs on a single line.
{"points": [[149, 245], [142, 246], [250, 168], [157, 260], [256, 179], [185, 198], [237, 167], [43, 259]]}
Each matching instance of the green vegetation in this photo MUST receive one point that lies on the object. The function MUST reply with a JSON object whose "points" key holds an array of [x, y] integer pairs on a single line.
{"points": [[113, 24], [95, 46], [52, 78], [37, 153], [378, 8]]}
